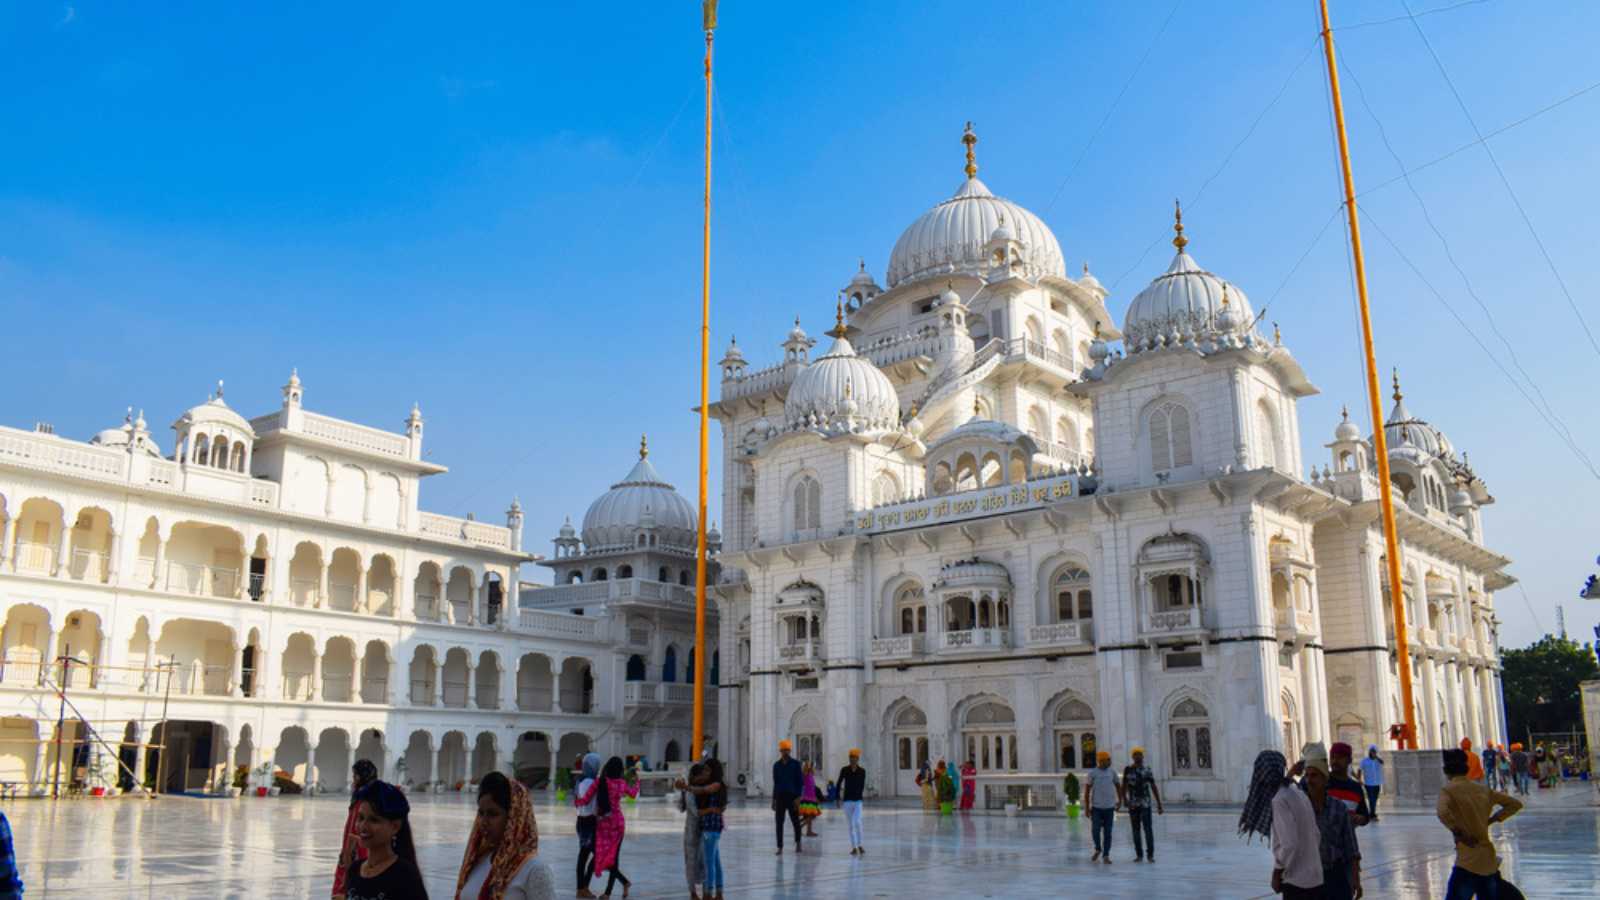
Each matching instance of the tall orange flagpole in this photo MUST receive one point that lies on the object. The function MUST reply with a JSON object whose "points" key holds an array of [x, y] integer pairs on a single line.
{"points": [[708, 12], [1380, 441]]}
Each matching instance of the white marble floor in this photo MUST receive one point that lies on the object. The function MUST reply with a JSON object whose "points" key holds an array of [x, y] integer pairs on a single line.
{"points": [[176, 848]]}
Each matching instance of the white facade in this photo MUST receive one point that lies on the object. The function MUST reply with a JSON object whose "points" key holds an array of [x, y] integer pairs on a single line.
{"points": [[274, 592], [971, 528]]}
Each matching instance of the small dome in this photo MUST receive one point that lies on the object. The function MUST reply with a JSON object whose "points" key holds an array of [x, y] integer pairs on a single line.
{"points": [[1346, 429], [1001, 232], [862, 278], [567, 531], [973, 573], [640, 500], [1182, 303], [840, 391], [214, 412], [1404, 430], [798, 334], [949, 297], [1091, 283]]}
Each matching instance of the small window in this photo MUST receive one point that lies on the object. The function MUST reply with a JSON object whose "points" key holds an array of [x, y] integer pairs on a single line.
{"points": [[1170, 440], [1185, 660]]}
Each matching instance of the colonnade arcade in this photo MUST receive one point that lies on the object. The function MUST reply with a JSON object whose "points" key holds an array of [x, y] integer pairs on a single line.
{"points": [[41, 537]]}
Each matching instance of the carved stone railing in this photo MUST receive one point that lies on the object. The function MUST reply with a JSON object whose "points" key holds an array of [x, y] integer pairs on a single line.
{"points": [[1059, 634], [471, 532], [903, 646], [975, 639], [360, 437]]}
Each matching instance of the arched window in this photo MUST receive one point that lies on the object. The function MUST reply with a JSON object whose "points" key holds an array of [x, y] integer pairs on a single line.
{"points": [[624, 571], [993, 473], [598, 575], [202, 449], [1267, 435], [1075, 736], [636, 668], [911, 610], [219, 452], [807, 504], [1190, 730], [1035, 333], [238, 457], [1072, 593], [990, 733], [1170, 443], [885, 489], [669, 668], [1067, 434], [663, 576], [1063, 347], [1038, 425]]}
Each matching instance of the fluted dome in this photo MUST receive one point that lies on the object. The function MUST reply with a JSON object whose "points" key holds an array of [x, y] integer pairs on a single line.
{"points": [[840, 391], [1184, 303], [950, 238], [1405, 431], [641, 500], [1346, 430], [215, 411]]}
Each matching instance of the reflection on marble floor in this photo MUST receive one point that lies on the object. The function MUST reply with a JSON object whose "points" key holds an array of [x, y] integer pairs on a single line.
{"points": [[177, 848]]}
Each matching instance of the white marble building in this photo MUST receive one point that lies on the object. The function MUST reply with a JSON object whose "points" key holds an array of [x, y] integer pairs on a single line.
{"points": [[635, 561], [974, 527], [273, 590]]}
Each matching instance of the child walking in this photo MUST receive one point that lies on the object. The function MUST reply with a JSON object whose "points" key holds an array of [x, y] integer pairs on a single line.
{"points": [[810, 802]]}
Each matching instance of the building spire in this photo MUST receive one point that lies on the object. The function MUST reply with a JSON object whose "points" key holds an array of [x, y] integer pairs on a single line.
{"points": [[1397, 394], [970, 138], [838, 330], [1178, 240], [644, 447]]}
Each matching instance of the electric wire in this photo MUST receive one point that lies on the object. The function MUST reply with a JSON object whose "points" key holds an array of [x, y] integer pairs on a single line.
{"points": [[1427, 12], [1427, 216], [1470, 144], [1226, 159], [1576, 450], [1504, 181], [1094, 135]]}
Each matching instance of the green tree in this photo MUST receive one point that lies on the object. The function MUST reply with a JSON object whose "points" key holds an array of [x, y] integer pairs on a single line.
{"points": [[1541, 685]]}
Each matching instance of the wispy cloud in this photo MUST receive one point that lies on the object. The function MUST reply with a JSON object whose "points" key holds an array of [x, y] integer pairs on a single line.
{"points": [[68, 17]]}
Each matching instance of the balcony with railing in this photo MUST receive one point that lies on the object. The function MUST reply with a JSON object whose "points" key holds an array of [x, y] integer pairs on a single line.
{"points": [[975, 640], [1052, 635], [466, 530], [89, 565], [258, 586], [662, 693], [1293, 622], [304, 592], [800, 653], [903, 646], [560, 625], [35, 558], [1189, 621], [202, 581], [619, 590]]}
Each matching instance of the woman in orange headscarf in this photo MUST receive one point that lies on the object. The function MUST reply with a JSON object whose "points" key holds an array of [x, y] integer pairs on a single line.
{"points": [[501, 862]]}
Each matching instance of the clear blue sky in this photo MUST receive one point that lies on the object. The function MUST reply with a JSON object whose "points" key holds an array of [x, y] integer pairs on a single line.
{"points": [[495, 211]]}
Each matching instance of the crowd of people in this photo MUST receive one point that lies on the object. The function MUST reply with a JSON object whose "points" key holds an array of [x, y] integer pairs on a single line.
{"points": [[1310, 812]]}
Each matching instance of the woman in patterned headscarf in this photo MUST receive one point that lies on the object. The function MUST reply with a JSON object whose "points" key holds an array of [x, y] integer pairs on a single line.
{"points": [[364, 773], [501, 862]]}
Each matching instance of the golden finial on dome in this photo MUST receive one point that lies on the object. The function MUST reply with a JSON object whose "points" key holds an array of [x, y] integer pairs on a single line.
{"points": [[1397, 394], [1224, 284], [644, 447], [1178, 239], [1277, 336], [1344, 412], [977, 406], [970, 138], [838, 330]]}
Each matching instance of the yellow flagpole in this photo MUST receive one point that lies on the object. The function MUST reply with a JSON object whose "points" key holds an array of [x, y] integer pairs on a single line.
{"points": [[1379, 439], [708, 11]]}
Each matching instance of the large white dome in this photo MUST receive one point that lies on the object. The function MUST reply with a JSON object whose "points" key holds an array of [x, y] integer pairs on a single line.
{"points": [[949, 238], [841, 391], [640, 501]]}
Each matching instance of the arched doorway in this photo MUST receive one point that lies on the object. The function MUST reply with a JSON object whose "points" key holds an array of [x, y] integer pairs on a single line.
{"points": [[989, 731], [1075, 738], [908, 727]]}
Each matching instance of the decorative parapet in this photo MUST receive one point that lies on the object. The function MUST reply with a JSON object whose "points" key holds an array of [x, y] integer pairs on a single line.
{"points": [[966, 505], [467, 530]]}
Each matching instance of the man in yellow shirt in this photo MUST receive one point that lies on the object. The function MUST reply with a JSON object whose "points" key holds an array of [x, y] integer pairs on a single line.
{"points": [[1467, 808]]}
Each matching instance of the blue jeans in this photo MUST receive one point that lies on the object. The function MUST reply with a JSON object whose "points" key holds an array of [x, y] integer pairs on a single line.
{"points": [[1139, 820], [1466, 886], [1100, 821], [711, 841]]}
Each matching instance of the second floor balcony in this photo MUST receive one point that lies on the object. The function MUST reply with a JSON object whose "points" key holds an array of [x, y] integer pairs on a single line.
{"points": [[974, 639], [1065, 635]]}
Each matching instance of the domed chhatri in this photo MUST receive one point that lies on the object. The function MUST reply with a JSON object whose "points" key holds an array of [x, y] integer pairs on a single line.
{"points": [[842, 392], [1187, 304], [950, 238], [1405, 431], [640, 500]]}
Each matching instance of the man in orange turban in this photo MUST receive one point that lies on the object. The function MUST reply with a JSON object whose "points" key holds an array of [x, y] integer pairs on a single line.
{"points": [[1474, 765], [788, 780]]}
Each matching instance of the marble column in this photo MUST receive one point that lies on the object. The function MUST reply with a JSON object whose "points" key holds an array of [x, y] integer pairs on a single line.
{"points": [[8, 537], [438, 683], [472, 684], [314, 691]]}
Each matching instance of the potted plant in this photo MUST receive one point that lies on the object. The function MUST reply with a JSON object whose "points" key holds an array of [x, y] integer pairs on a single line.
{"points": [[1070, 786], [947, 794], [263, 778], [563, 784]]}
